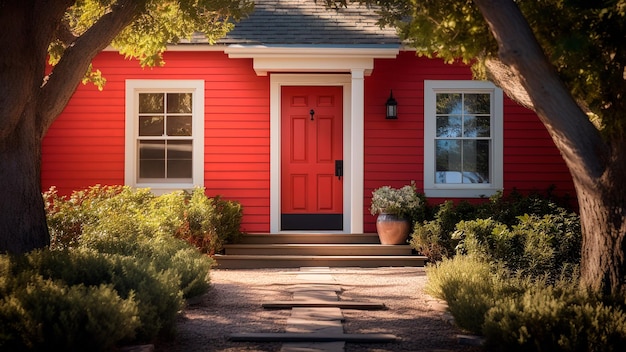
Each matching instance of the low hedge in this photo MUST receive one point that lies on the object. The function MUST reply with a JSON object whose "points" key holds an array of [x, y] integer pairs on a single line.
{"points": [[516, 313], [118, 270]]}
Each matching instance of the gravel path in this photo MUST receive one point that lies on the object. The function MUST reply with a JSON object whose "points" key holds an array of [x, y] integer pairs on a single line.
{"points": [[233, 305]]}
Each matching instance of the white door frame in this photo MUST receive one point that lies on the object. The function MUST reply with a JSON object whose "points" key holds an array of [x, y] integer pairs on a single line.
{"points": [[353, 91]]}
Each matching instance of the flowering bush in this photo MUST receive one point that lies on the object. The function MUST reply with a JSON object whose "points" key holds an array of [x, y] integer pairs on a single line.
{"points": [[402, 202]]}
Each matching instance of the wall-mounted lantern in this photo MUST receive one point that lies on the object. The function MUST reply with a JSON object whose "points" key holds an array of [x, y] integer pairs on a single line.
{"points": [[392, 107]]}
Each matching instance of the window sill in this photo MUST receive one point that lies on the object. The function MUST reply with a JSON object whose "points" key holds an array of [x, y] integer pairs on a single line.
{"points": [[460, 192]]}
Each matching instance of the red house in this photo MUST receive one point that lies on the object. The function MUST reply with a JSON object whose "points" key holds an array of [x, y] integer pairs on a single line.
{"points": [[288, 115]]}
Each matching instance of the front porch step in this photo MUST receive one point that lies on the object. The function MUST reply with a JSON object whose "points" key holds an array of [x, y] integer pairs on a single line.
{"points": [[318, 249], [229, 261], [320, 238], [315, 249]]}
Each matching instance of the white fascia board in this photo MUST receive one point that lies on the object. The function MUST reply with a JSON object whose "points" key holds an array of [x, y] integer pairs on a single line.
{"points": [[311, 58]]}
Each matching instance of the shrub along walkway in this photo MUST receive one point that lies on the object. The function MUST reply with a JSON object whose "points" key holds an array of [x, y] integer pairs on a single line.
{"points": [[316, 316]]}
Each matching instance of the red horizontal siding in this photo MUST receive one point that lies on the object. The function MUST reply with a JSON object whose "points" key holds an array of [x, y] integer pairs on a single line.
{"points": [[394, 149], [85, 146]]}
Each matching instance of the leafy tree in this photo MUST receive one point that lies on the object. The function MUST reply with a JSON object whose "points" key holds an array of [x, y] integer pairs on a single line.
{"points": [[67, 34], [566, 60]]}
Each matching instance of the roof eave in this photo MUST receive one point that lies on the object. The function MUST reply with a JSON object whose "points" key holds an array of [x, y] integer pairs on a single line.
{"points": [[312, 58]]}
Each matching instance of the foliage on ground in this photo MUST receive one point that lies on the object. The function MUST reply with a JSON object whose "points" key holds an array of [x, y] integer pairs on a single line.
{"points": [[508, 270], [121, 264], [434, 235], [91, 217]]}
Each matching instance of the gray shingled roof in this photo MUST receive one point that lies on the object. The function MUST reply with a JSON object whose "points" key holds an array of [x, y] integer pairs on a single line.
{"points": [[307, 23]]}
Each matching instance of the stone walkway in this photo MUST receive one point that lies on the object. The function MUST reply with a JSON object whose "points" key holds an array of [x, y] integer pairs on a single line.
{"points": [[315, 324]]}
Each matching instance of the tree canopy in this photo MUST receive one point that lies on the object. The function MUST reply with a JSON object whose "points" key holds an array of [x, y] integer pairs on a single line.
{"points": [[583, 40], [565, 60], [48, 47]]}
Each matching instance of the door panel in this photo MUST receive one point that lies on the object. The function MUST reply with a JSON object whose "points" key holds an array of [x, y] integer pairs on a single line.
{"points": [[311, 143]]}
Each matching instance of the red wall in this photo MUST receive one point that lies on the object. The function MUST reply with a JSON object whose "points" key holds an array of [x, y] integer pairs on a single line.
{"points": [[394, 148], [85, 146]]}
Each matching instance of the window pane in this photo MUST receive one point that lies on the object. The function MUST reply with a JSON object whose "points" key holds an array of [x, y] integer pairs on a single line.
{"points": [[448, 154], [179, 159], [179, 125], [448, 103], [449, 126], [476, 126], [151, 125], [179, 103], [476, 161], [477, 103], [179, 169], [151, 159], [152, 150], [151, 103]]}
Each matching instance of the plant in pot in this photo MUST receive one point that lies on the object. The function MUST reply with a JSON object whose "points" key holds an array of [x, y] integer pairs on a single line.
{"points": [[394, 207]]}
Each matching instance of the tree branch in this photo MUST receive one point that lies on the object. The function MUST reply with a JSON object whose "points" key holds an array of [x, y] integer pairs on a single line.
{"points": [[70, 70], [509, 81], [580, 143], [64, 33]]}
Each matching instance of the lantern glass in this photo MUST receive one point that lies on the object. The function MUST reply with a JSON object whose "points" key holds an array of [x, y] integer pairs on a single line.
{"points": [[392, 107]]}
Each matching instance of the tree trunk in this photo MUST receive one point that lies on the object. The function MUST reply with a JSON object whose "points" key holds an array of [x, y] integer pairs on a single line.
{"points": [[23, 224], [30, 101], [603, 220], [598, 167]]}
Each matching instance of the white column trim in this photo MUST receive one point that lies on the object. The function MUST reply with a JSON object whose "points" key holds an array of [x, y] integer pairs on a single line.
{"points": [[357, 150]]}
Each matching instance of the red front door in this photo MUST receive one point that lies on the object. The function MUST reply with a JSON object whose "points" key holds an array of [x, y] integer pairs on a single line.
{"points": [[311, 158]]}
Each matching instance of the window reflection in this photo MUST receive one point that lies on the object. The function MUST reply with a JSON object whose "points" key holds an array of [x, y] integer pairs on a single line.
{"points": [[165, 145], [462, 145]]}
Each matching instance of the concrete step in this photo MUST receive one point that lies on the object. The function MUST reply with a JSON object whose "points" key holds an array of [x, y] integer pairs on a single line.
{"points": [[299, 337], [295, 250], [317, 249], [295, 261], [311, 238]]}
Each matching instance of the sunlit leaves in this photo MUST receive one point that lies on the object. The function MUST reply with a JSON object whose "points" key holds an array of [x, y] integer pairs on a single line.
{"points": [[161, 22], [584, 40], [169, 22]]}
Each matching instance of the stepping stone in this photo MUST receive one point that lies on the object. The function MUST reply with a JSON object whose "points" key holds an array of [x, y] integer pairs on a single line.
{"points": [[331, 327], [316, 277], [338, 304], [327, 296], [300, 337], [337, 346], [317, 313], [315, 268], [314, 287]]}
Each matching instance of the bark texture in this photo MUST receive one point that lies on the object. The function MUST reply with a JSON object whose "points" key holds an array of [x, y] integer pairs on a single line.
{"points": [[30, 101], [597, 166]]}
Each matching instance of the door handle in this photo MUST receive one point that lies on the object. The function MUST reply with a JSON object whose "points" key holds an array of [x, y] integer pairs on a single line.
{"points": [[339, 168]]}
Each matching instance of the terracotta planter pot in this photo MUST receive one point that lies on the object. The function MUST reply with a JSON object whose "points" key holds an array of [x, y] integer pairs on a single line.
{"points": [[392, 229]]}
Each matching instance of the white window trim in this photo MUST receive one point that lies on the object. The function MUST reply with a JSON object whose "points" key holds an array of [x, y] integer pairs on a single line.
{"points": [[133, 88], [432, 189]]}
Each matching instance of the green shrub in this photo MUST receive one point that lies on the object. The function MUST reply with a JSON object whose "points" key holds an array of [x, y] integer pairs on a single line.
{"points": [[157, 292], [554, 318], [429, 239], [187, 262], [439, 237], [104, 214], [47, 315], [535, 247], [470, 286], [211, 222], [433, 238]]}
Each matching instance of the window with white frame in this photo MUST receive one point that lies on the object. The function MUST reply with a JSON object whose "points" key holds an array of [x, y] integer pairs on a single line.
{"points": [[164, 134], [462, 139]]}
